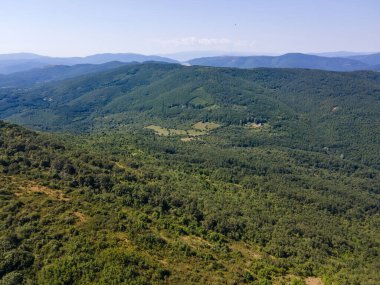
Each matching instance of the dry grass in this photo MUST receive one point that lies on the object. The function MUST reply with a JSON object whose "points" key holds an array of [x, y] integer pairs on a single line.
{"points": [[33, 188], [245, 250], [195, 242], [313, 281], [175, 132], [198, 129], [187, 139], [81, 217], [158, 130], [255, 126], [205, 126]]}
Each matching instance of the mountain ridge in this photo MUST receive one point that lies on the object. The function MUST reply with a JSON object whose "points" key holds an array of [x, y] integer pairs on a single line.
{"points": [[372, 59], [290, 60], [48, 73], [10, 63], [13, 63]]}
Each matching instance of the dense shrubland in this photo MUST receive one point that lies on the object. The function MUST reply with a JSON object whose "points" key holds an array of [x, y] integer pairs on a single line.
{"points": [[109, 208]]}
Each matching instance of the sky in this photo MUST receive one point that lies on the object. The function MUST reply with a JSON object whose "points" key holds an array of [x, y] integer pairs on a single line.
{"points": [[84, 27]]}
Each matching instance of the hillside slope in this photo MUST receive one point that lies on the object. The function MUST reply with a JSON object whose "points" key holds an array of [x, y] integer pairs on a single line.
{"points": [[313, 110], [150, 210]]}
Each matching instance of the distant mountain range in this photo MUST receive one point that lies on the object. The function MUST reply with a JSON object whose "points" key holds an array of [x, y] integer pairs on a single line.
{"points": [[371, 59], [293, 60], [42, 75], [10, 63], [333, 61], [340, 53]]}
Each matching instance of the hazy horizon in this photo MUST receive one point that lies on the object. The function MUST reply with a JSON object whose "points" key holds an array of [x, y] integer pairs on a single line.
{"points": [[80, 28]]}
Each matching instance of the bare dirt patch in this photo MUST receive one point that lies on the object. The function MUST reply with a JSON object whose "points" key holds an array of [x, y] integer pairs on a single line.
{"points": [[188, 139], [52, 193], [81, 217], [313, 281]]}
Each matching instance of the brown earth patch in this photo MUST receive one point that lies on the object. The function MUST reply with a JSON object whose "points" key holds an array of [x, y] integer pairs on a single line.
{"points": [[194, 241], [188, 139], [52, 193], [82, 218], [313, 281]]}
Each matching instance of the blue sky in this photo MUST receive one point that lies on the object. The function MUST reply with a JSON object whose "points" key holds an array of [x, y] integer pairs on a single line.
{"points": [[82, 27]]}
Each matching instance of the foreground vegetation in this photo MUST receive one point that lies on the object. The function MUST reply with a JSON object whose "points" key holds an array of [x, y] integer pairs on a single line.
{"points": [[115, 208]]}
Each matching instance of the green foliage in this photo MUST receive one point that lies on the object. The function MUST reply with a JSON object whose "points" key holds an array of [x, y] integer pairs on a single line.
{"points": [[12, 278], [297, 197], [101, 215]]}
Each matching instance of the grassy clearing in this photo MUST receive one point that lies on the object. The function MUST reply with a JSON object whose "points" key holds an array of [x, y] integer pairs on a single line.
{"points": [[205, 126], [158, 130], [198, 129], [187, 139], [175, 132], [161, 131]]}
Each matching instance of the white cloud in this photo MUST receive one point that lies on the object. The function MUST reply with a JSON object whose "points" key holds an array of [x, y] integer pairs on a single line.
{"points": [[205, 43]]}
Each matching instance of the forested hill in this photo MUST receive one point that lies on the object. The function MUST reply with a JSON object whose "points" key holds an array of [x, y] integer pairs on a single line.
{"points": [[330, 112], [122, 208]]}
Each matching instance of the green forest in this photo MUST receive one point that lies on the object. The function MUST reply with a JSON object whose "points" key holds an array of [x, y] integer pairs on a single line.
{"points": [[165, 174]]}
